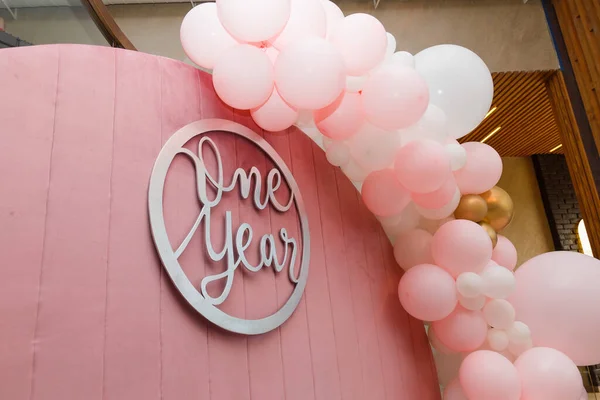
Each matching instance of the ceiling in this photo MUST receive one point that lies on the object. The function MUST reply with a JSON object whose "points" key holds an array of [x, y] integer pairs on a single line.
{"points": [[523, 113], [69, 3]]}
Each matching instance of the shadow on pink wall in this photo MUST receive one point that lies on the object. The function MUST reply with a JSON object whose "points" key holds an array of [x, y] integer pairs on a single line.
{"points": [[86, 311]]}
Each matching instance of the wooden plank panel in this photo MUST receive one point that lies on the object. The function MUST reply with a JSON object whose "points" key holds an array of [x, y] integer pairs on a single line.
{"points": [[579, 169]]}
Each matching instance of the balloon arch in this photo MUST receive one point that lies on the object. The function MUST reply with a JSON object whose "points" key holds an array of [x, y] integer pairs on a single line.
{"points": [[390, 121]]}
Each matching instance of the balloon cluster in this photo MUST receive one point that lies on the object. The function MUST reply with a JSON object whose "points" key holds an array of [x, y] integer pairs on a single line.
{"points": [[390, 120]]}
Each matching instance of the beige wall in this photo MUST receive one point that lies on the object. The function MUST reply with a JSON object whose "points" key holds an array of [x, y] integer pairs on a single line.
{"points": [[529, 229], [507, 34]]}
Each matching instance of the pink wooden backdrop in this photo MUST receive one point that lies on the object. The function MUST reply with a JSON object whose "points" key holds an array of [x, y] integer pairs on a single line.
{"points": [[86, 311]]}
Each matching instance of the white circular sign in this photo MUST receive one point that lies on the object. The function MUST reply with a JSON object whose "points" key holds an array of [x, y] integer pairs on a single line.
{"points": [[198, 297]]}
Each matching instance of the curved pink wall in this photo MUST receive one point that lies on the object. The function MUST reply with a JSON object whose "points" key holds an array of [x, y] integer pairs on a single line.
{"points": [[86, 311]]}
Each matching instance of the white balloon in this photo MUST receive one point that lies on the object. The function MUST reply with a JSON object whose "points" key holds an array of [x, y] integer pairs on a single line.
{"points": [[374, 148], [402, 58], [354, 84], [442, 212], [499, 313], [254, 20], [472, 303], [355, 172], [391, 45], [327, 142], [498, 282], [469, 284], [459, 83], [338, 153], [333, 14], [517, 349], [457, 154], [519, 333], [497, 339], [432, 125], [407, 220]]}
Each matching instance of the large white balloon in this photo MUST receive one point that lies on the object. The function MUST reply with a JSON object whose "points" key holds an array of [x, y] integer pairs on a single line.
{"points": [[253, 20], [459, 83], [203, 37]]}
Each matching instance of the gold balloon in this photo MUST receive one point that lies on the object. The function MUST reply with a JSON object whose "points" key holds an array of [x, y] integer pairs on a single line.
{"points": [[472, 207], [500, 208], [491, 232]]}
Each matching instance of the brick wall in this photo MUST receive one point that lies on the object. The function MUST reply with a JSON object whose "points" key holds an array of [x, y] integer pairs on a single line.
{"points": [[560, 202]]}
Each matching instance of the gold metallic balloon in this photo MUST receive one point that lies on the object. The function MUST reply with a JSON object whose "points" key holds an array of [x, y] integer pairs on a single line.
{"points": [[491, 232], [500, 208], [472, 207]]}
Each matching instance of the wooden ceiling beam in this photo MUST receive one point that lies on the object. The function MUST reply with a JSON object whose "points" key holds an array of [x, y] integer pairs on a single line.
{"points": [[107, 24]]}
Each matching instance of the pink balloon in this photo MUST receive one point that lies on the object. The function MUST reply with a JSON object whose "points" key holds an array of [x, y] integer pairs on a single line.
{"points": [[203, 37], [505, 253], [307, 19], [462, 330], [461, 246], [548, 374], [413, 248], [383, 194], [373, 148], [553, 297], [427, 292], [454, 391], [275, 115], [442, 213], [584, 395], [234, 83], [307, 81], [482, 170], [362, 40], [333, 14], [488, 375], [394, 98], [342, 118], [253, 20], [436, 344], [438, 198], [422, 166]]}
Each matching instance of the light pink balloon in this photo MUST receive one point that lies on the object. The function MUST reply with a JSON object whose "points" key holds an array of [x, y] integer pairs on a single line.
{"points": [[373, 148], [203, 37], [333, 14], [438, 198], [307, 19], [275, 115], [454, 391], [422, 166], [383, 194], [435, 342], [253, 20], [427, 293], [488, 375], [553, 297], [394, 98], [342, 118], [309, 73], [362, 40], [548, 374], [413, 248], [584, 395], [444, 212], [482, 170], [461, 246], [505, 253], [462, 330], [234, 83]]}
